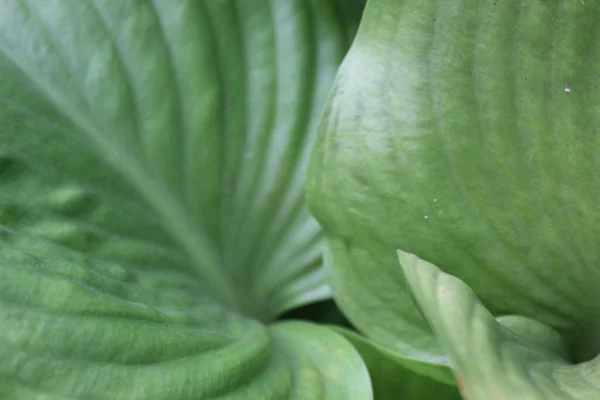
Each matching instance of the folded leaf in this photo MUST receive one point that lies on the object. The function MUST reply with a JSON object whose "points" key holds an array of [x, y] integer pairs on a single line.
{"points": [[465, 131], [517, 358], [151, 199]]}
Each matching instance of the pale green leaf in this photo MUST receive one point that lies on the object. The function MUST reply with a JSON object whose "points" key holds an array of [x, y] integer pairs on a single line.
{"points": [[324, 364], [508, 358]]}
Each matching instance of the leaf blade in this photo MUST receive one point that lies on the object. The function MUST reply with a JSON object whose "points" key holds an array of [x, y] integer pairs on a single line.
{"points": [[443, 137], [490, 360], [121, 153]]}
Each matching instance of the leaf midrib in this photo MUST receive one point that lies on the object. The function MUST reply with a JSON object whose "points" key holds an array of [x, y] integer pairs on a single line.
{"points": [[174, 218]]}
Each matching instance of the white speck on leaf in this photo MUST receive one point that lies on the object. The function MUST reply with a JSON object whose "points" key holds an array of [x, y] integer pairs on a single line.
{"points": [[567, 89], [435, 200], [427, 216]]}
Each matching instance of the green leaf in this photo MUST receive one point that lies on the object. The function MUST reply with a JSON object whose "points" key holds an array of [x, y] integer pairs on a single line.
{"points": [[465, 132], [324, 364], [514, 358], [152, 158], [392, 376]]}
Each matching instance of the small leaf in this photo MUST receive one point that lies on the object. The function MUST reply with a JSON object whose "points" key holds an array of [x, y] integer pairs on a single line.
{"points": [[514, 358], [324, 365], [393, 380]]}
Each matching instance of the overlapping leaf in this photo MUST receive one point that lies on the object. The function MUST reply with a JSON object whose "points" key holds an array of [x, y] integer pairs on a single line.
{"points": [[515, 359]]}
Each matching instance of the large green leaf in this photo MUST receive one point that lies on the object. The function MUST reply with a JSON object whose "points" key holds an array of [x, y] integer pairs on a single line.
{"points": [[514, 358], [465, 131], [151, 199]]}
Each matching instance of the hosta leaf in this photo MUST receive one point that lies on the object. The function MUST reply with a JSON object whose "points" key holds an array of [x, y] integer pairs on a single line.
{"points": [[151, 199], [316, 374], [391, 379], [465, 132], [516, 358]]}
